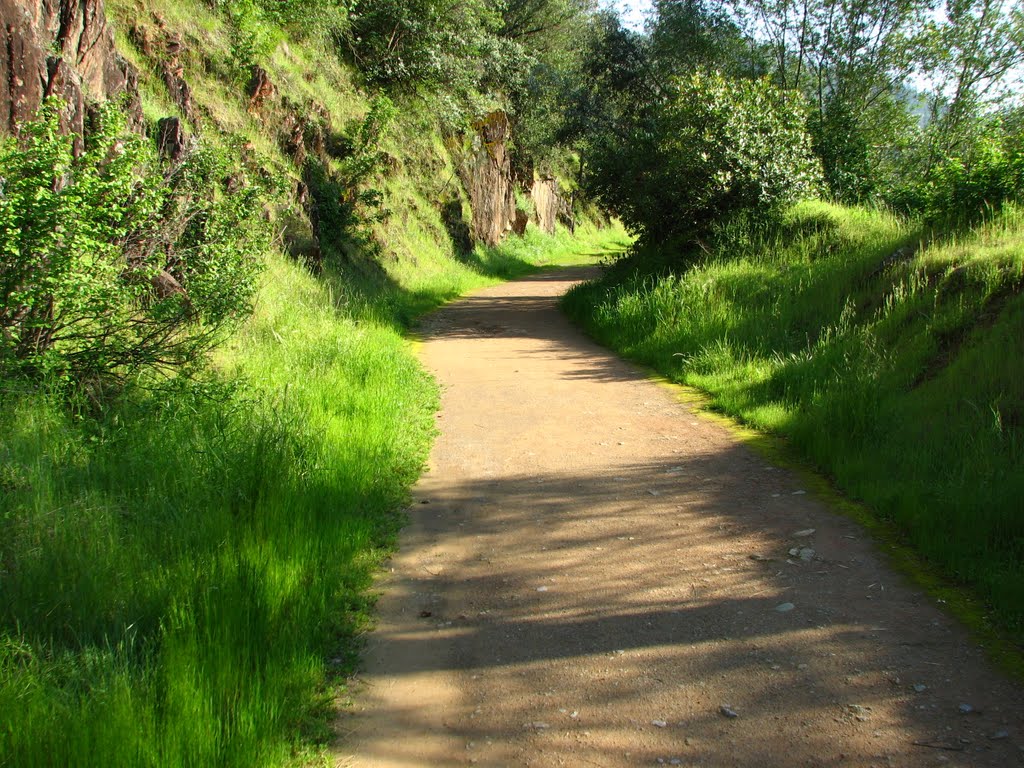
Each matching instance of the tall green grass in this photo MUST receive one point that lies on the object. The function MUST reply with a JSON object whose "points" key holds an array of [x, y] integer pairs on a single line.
{"points": [[184, 575], [176, 573], [891, 357]]}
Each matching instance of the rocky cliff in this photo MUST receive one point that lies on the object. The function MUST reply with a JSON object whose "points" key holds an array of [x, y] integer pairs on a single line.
{"points": [[550, 205], [59, 48], [487, 177], [66, 48]]}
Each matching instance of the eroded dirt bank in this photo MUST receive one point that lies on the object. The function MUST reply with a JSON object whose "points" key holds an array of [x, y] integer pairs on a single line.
{"points": [[593, 576]]}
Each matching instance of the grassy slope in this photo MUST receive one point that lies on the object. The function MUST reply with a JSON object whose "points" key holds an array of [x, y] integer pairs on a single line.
{"points": [[176, 573], [902, 379]]}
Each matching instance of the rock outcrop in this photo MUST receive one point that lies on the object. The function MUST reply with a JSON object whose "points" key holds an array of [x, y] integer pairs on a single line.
{"points": [[547, 202], [550, 206], [487, 177], [60, 48], [260, 88]]}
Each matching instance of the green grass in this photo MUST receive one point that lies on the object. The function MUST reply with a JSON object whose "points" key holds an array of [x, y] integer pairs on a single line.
{"points": [[176, 574], [901, 378], [184, 572], [184, 576]]}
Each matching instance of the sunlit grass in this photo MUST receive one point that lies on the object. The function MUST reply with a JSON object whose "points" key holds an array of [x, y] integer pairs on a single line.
{"points": [[890, 357], [183, 579], [184, 572]]}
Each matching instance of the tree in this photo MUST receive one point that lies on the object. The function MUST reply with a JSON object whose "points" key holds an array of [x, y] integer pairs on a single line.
{"points": [[852, 58], [970, 55], [714, 148], [691, 34], [422, 44]]}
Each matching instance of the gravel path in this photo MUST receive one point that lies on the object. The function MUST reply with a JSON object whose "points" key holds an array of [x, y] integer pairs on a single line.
{"points": [[595, 576]]}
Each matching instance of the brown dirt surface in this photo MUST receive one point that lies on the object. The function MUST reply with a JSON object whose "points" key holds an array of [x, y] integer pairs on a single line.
{"points": [[594, 576]]}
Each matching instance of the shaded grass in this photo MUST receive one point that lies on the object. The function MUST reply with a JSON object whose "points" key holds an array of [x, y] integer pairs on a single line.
{"points": [[895, 366], [184, 573], [176, 573], [184, 576]]}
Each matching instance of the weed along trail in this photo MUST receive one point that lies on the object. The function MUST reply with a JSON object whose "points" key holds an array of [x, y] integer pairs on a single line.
{"points": [[593, 575]]}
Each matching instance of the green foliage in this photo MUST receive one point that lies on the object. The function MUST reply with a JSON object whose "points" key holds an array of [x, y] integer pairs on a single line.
{"points": [[714, 148], [696, 34], [423, 44], [177, 573], [257, 27], [896, 373], [985, 173], [112, 264], [254, 33], [346, 205]]}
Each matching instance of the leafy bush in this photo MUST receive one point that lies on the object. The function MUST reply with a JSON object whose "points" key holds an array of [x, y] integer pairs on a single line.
{"points": [[258, 26], [713, 148], [421, 43], [110, 263], [986, 172], [346, 205]]}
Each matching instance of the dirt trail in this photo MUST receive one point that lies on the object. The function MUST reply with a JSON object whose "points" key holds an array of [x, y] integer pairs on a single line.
{"points": [[592, 575]]}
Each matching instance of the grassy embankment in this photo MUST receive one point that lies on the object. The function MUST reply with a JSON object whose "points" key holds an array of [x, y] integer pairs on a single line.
{"points": [[177, 573], [898, 373], [184, 574]]}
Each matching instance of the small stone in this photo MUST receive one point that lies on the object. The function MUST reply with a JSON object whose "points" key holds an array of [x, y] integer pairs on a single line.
{"points": [[806, 554], [920, 688], [804, 533], [965, 709], [654, 493], [728, 711], [860, 714], [999, 735], [542, 589], [659, 723], [799, 493], [784, 607], [794, 551]]}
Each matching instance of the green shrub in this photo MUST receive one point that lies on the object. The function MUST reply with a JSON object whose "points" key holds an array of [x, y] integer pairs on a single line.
{"points": [[985, 172], [346, 204], [714, 148], [427, 44], [111, 263]]}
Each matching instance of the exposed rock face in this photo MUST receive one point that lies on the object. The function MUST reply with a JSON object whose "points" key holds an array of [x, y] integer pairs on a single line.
{"points": [[173, 74], [63, 48], [521, 222], [547, 202], [550, 205], [487, 176], [171, 139], [456, 226], [260, 88]]}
